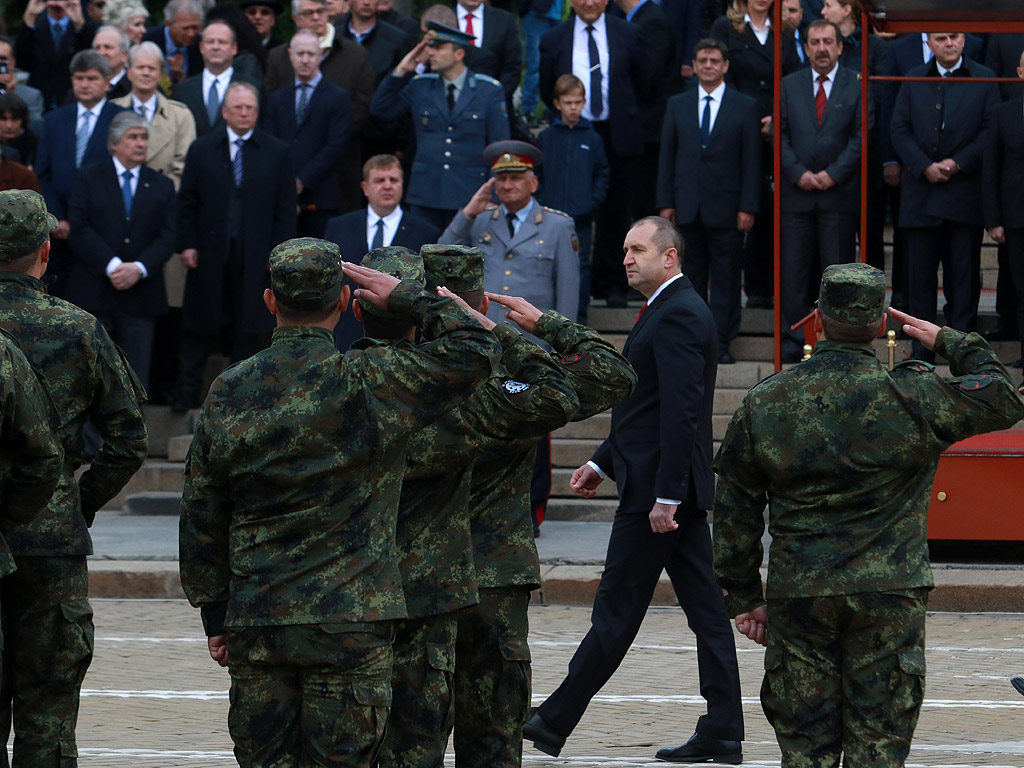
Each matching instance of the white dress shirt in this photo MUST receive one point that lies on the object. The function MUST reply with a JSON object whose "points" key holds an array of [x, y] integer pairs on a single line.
{"points": [[762, 33], [95, 111], [150, 106], [478, 23], [232, 138], [927, 53], [391, 222], [223, 79], [581, 62], [716, 103], [119, 170], [830, 79]]}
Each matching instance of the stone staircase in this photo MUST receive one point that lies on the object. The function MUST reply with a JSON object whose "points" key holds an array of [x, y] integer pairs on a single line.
{"points": [[157, 487]]}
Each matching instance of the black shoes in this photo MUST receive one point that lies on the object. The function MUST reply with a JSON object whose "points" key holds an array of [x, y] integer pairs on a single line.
{"points": [[703, 749], [542, 735], [1017, 681]]}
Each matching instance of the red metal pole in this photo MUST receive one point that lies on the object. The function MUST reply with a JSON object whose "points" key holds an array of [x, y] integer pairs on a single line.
{"points": [[777, 177], [864, 128]]}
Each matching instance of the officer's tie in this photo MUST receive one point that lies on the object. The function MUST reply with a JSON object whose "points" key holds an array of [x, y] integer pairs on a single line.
{"points": [[212, 103], [511, 219], [705, 122], [451, 96], [596, 98], [236, 163], [378, 238], [126, 192]]}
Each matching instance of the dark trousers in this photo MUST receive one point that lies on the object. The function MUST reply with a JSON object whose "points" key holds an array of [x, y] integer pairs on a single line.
{"points": [[957, 247], [759, 252], [636, 557], [585, 235], [134, 335], [613, 220], [1007, 295], [313, 223], [811, 241], [1015, 262], [712, 254]]}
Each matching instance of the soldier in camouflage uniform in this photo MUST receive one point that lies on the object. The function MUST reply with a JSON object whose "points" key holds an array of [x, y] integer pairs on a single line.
{"points": [[291, 495], [531, 393], [844, 452], [48, 630]]}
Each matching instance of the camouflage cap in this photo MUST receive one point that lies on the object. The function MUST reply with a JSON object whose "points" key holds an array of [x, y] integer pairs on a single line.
{"points": [[398, 262], [460, 268], [305, 273], [25, 224], [852, 293]]}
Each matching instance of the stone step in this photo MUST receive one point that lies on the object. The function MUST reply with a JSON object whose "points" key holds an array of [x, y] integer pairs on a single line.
{"points": [[163, 424], [152, 503], [581, 510], [572, 453], [177, 447], [594, 428], [155, 475]]}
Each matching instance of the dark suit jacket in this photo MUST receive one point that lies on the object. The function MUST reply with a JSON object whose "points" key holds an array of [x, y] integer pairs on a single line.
{"points": [[102, 231], [883, 95], [834, 146], [751, 65], [1004, 166], [349, 232], [921, 138], [501, 52], [663, 72], [267, 204], [385, 45], [686, 25], [47, 67], [717, 181], [908, 52], [660, 439], [628, 78], [1002, 56], [318, 144], [190, 93], [195, 58], [55, 160], [407, 24]]}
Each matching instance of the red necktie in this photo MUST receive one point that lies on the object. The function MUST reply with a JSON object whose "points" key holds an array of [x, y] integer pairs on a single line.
{"points": [[638, 314], [469, 25], [819, 98]]}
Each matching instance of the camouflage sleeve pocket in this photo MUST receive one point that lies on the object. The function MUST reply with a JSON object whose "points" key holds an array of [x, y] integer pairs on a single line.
{"points": [[372, 693], [441, 657]]}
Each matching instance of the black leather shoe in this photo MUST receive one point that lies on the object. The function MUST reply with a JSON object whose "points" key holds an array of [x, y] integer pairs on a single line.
{"points": [[703, 749], [542, 735], [726, 358], [1017, 681]]}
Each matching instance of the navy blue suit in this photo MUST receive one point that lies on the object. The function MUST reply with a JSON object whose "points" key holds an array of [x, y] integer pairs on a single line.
{"points": [[317, 148], [349, 232], [190, 93], [908, 52], [47, 66]]}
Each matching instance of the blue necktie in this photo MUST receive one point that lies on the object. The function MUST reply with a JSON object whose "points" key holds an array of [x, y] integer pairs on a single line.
{"points": [[82, 138], [126, 192], [58, 36], [378, 238], [596, 97], [705, 121], [212, 103], [300, 111], [236, 164]]}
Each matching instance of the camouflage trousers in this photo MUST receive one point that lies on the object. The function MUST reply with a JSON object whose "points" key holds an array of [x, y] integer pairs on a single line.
{"points": [[48, 639], [309, 695], [845, 675], [422, 709], [492, 679]]}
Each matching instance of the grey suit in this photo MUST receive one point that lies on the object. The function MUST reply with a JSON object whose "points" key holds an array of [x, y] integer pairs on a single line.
{"points": [[818, 227], [539, 263]]}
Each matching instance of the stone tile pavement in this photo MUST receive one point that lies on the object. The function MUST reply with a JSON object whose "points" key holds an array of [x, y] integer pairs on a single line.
{"points": [[154, 699]]}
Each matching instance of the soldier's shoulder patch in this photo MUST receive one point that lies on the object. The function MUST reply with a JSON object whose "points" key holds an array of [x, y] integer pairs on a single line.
{"points": [[978, 385], [579, 362], [915, 365], [515, 387], [570, 359], [555, 210], [486, 79]]}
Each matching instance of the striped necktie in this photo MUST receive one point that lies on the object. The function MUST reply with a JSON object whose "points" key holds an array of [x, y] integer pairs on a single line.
{"points": [[82, 137]]}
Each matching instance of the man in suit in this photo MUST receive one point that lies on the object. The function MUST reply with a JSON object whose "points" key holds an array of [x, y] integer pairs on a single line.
{"points": [[386, 44], [456, 113], [606, 53], [114, 44], [237, 202], [941, 208], [203, 93], [315, 118], [32, 97], [496, 50], [75, 136], [262, 14], [821, 149], [52, 32], [124, 220], [708, 183], [345, 64], [380, 224], [659, 454], [1004, 194], [178, 39], [913, 50]]}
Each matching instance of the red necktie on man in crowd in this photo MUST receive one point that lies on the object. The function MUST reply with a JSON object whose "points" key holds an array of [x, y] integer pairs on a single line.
{"points": [[819, 98], [638, 314], [469, 25]]}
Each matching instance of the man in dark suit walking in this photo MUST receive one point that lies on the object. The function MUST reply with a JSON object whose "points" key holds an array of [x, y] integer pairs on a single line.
{"points": [[380, 224], [941, 207], [607, 55], [1004, 194], [821, 149], [708, 183], [659, 454], [74, 136], [237, 202], [314, 116], [123, 218]]}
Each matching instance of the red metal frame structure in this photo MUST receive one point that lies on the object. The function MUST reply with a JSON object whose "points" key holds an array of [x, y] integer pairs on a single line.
{"points": [[887, 16]]}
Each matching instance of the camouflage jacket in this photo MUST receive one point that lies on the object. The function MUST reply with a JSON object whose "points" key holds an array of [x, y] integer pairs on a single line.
{"points": [[31, 456], [294, 474], [535, 393], [86, 377], [844, 452]]}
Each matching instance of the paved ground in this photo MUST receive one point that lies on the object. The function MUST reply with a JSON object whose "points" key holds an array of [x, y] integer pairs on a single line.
{"points": [[154, 699]]}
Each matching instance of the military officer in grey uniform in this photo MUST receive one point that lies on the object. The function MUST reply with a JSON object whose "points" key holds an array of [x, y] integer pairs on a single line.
{"points": [[455, 113], [529, 250]]}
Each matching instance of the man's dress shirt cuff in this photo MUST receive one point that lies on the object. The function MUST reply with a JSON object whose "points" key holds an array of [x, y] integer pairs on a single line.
{"points": [[115, 262], [600, 472], [660, 500]]}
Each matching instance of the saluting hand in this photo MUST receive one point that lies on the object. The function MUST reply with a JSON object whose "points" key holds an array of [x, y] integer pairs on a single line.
{"points": [[520, 311], [484, 320], [375, 287], [411, 59], [480, 200], [921, 330]]}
